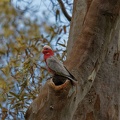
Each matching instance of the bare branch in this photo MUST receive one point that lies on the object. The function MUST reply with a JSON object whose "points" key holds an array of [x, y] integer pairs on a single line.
{"points": [[64, 10]]}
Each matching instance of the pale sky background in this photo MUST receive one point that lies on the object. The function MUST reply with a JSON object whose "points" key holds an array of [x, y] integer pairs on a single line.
{"points": [[44, 11]]}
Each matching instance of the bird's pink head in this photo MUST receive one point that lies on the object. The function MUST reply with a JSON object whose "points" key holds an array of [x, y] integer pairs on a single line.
{"points": [[47, 51]]}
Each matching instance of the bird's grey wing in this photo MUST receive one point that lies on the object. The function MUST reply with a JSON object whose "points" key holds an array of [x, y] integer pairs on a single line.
{"points": [[71, 74], [55, 65]]}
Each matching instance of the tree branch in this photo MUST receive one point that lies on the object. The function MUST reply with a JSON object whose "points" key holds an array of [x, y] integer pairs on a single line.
{"points": [[64, 10]]}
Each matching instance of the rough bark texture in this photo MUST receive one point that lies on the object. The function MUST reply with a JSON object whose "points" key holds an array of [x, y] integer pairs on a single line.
{"points": [[78, 16], [93, 58], [96, 49]]}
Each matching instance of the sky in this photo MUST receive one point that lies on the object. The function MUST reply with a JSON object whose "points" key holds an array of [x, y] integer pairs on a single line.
{"points": [[40, 7], [44, 10]]}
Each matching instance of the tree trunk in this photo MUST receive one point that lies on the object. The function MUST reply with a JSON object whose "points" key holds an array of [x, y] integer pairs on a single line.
{"points": [[93, 58]]}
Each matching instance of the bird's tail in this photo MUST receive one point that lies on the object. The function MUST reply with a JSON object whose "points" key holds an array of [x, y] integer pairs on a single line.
{"points": [[72, 78]]}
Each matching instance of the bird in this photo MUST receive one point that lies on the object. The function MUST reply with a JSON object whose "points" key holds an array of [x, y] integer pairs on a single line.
{"points": [[56, 67]]}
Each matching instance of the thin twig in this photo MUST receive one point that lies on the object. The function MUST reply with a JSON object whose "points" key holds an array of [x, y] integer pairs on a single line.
{"points": [[64, 10]]}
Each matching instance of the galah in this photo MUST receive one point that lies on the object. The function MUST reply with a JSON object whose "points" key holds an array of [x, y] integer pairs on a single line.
{"points": [[55, 66]]}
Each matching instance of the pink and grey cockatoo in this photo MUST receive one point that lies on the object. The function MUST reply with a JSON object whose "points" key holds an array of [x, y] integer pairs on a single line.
{"points": [[55, 66]]}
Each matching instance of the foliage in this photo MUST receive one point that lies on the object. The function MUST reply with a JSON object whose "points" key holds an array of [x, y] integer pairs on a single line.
{"points": [[22, 70]]}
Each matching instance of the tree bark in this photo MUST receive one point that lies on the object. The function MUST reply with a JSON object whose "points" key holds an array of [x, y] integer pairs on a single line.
{"points": [[93, 58]]}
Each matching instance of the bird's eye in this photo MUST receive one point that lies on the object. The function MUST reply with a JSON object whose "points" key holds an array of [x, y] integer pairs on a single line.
{"points": [[46, 48]]}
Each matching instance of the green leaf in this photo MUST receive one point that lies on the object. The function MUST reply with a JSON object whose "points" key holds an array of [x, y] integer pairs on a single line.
{"points": [[6, 70], [4, 86]]}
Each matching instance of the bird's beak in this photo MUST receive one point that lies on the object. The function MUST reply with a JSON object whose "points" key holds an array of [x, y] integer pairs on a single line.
{"points": [[54, 50]]}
